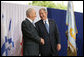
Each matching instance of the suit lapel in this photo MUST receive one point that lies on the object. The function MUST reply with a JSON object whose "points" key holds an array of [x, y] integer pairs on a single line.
{"points": [[43, 25], [49, 26]]}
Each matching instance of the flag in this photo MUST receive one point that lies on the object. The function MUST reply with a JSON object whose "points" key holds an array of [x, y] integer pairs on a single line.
{"points": [[8, 44], [3, 33], [72, 30]]}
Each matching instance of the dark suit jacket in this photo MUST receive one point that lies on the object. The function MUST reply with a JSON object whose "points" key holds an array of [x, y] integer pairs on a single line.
{"points": [[51, 39], [31, 39]]}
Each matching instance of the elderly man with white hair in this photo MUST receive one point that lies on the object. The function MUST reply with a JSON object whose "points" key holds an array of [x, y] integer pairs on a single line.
{"points": [[31, 40]]}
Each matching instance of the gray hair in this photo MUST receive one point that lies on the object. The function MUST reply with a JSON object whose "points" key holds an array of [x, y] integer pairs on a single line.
{"points": [[29, 11], [43, 9]]}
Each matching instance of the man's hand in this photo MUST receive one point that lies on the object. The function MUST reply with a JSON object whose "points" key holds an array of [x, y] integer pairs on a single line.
{"points": [[58, 47], [42, 41]]}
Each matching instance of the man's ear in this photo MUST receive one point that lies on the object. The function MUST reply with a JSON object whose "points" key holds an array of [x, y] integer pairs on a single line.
{"points": [[30, 15]]}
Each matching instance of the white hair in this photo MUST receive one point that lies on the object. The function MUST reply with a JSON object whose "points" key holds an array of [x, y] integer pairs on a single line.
{"points": [[28, 12]]}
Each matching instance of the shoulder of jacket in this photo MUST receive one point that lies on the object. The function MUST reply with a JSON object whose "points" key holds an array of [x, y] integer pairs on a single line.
{"points": [[51, 20], [24, 21], [38, 22]]}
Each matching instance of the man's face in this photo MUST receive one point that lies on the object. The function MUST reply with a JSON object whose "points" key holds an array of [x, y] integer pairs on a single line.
{"points": [[43, 14], [33, 15]]}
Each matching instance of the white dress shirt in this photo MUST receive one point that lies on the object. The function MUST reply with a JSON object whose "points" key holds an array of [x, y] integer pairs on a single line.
{"points": [[30, 20]]}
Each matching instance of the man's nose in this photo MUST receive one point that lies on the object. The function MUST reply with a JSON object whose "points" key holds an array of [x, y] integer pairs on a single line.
{"points": [[41, 15]]}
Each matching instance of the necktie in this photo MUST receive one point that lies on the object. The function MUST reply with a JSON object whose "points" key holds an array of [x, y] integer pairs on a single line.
{"points": [[47, 26]]}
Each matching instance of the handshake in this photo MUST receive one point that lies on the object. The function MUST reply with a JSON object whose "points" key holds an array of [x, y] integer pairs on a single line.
{"points": [[42, 41]]}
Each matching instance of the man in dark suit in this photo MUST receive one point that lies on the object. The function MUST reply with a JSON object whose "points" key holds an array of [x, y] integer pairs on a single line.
{"points": [[31, 40], [48, 30]]}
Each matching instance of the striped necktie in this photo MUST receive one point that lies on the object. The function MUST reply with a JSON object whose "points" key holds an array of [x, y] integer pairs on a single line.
{"points": [[47, 26]]}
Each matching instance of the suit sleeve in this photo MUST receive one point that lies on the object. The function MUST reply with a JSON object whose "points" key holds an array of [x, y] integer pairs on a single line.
{"points": [[57, 36], [30, 33]]}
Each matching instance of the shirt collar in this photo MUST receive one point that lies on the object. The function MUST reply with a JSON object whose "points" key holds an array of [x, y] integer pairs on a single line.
{"points": [[30, 20], [45, 20]]}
